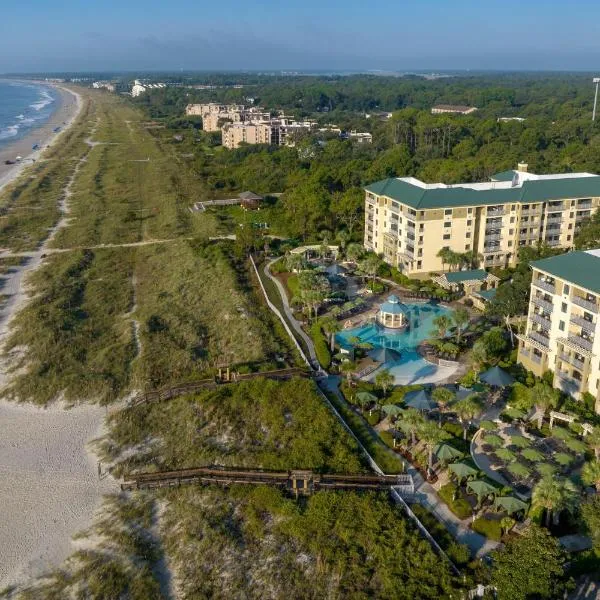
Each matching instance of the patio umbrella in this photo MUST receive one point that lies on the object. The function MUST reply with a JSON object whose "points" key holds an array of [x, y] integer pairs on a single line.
{"points": [[420, 400], [446, 452], [462, 470], [391, 409], [365, 397], [481, 488], [496, 377], [384, 355], [510, 504]]}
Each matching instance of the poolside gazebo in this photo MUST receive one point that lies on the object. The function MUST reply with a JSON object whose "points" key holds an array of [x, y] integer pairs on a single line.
{"points": [[392, 313]]}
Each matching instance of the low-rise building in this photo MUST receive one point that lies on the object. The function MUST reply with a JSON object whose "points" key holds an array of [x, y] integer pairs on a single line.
{"points": [[563, 324], [408, 221], [439, 109], [104, 85]]}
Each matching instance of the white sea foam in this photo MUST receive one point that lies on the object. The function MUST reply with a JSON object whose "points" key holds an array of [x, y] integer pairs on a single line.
{"points": [[9, 132], [20, 117], [45, 99]]}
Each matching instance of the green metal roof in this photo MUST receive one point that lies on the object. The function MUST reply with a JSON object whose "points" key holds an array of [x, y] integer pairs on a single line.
{"points": [[487, 295], [459, 276], [578, 268], [531, 190], [503, 175]]}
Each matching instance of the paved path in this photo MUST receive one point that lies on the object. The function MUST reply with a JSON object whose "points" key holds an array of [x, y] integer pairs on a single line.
{"points": [[290, 315]]}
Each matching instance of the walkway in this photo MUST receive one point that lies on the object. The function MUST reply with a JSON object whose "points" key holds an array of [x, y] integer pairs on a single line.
{"points": [[290, 315], [425, 494]]}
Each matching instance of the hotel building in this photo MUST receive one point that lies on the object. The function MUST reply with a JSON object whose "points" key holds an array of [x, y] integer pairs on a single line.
{"points": [[408, 221], [563, 324]]}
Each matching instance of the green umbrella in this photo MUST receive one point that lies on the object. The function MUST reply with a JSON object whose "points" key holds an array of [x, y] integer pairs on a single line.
{"points": [[419, 399], [532, 454], [488, 425], [391, 409], [446, 452], [563, 459], [510, 504], [545, 469], [493, 440], [575, 445], [481, 488], [505, 454], [462, 470], [561, 433], [496, 377], [519, 441], [518, 470]]}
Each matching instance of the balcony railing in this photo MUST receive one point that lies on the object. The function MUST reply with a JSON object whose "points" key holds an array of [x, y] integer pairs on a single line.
{"points": [[572, 360], [493, 237], [538, 337], [495, 212], [551, 242], [580, 341], [583, 323], [531, 213], [548, 306], [541, 283], [541, 320], [554, 207], [583, 204], [579, 301], [410, 224]]}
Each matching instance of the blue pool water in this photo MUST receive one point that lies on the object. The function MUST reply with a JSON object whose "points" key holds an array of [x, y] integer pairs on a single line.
{"points": [[410, 368]]}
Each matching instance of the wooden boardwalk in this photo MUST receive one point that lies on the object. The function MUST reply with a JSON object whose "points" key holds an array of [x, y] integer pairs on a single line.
{"points": [[297, 482]]}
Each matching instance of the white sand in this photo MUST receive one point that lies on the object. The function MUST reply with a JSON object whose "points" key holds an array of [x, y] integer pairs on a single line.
{"points": [[49, 485]]}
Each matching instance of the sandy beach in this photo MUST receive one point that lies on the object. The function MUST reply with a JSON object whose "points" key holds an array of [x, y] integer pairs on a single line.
{"points": [[68, 109], [49, 482]]}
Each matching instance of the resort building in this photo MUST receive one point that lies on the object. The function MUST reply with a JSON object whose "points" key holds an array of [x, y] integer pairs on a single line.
{"points": [[440, 109], [467, 281], [275, 132], [408, 221], [563, 324], [215, 115]]}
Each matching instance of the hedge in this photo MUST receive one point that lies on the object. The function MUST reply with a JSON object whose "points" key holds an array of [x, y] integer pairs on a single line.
{"points": [[460, 507], [491, 529], [321, 345]]}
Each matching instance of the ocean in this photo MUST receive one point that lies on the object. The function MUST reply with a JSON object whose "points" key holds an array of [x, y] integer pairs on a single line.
{"points": [[23, 107]]}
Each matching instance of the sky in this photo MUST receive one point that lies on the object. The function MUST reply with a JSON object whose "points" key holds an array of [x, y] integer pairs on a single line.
{"points": [[100, 35]]}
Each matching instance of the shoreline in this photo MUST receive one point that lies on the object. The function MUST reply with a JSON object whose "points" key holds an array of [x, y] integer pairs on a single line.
{"points": [[68, 110]]}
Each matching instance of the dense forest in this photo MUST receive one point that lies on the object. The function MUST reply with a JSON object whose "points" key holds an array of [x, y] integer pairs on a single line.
{"points": [[322, 177]]}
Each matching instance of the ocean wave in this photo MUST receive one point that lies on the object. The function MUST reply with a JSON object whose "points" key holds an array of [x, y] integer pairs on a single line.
{"points": [[8, 132], [44, 100], [20, 117]]}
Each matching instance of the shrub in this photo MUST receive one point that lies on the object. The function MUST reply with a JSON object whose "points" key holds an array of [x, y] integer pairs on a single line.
{"points": [[469, 379], [453, 429], [520, 397], [459, 554], [490, 529], [460, 507]]}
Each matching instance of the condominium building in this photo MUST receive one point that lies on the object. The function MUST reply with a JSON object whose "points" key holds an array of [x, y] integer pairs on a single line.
{"points": [[563, 324], [408, 221], [214, 114], [275, 132], [440, 109]]}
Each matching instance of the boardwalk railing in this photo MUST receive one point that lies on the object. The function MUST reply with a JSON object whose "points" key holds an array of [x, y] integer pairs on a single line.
{"points": [[211, 384]]}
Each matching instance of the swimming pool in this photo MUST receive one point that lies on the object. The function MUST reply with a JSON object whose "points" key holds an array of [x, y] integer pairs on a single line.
{"points": [[410, 368]]}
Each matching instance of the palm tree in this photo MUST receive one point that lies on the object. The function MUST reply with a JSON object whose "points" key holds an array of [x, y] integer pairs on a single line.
{"points": [[384, 379], [554, 495], [593, 439], [348, 367], [442, 324], [354, 252], [467, 409], [460, 316], [370, 266], [443, 254], [590, 474], [411, 421], [506, 524], [431, 435], [443, 396], [331, 326], [546, 398]]}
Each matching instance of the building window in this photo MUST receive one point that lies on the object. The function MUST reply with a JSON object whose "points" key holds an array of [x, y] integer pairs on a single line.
{"points": [[566, 289], [468, 234], [568, 238], [511, 231], [561, 325], [446, 236], [421, 227], [509, 243], [469, 210], [448, 211], [420, 252], [447, 224], [469, 222], [467, 246], [563, 308], [419, 264], [512, 219]]}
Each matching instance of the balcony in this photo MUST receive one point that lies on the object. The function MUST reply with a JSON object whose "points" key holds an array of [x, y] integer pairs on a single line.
{"points": [[583, 204], [588, 326], [410, 224], [572, 360], [541, 339], [544, 285], [541, 320], [492, 237], [580, 341], [583, 303], [545, 304], [569, 380], [531, 213], [554, 206], [495, 212], [551, 242]]}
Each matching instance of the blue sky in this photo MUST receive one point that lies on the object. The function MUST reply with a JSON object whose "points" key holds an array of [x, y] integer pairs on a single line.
{"points": [[45, 35]]}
